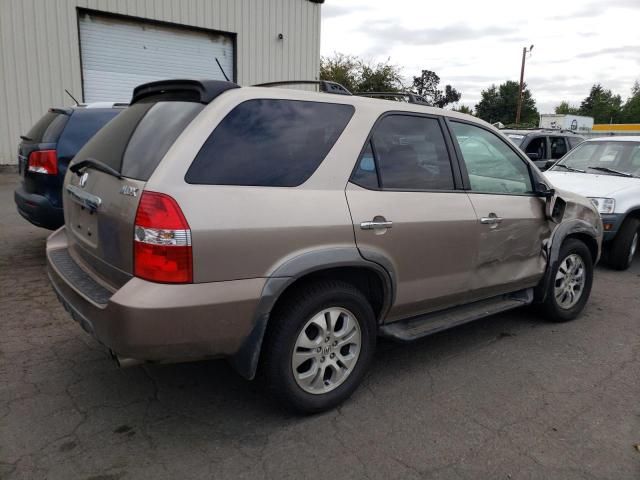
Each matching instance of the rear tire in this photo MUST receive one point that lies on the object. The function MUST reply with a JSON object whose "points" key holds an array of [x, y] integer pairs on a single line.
{"points": [[625, 244], [571, 281], [327, 371]]}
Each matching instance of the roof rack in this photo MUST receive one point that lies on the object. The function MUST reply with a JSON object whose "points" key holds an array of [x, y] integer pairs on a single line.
{"points": [[409, 96], [325, 85]]}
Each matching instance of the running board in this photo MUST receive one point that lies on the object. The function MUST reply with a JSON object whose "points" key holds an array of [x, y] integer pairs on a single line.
{"points": [[423, 325]]}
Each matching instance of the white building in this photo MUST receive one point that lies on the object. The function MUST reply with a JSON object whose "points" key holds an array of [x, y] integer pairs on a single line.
{"points": [[100, 49]]}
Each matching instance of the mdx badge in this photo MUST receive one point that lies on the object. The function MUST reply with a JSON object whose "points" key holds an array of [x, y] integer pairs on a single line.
{"points": [[129, 190]]}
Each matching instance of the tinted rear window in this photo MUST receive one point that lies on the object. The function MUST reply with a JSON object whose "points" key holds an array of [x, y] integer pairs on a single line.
{"points": [[48, 128], [276, 143], [139, 137], [82, 125]]}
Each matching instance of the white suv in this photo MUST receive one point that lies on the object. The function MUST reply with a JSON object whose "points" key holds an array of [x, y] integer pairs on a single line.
{"points": [[607, 170]]}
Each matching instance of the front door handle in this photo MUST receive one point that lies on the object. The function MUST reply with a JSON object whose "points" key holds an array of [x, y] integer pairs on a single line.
{"points": [[376, 225], [492, 219]]}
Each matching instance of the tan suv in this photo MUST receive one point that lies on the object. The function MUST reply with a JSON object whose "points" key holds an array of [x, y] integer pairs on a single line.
{"points": [[285, 230]]}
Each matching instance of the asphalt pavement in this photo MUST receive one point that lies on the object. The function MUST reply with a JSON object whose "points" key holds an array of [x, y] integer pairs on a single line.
{"points": [[508, 397]]}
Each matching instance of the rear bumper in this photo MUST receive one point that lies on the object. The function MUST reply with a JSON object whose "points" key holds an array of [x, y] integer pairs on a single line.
{"points": [[37, 209], [156, 322]]}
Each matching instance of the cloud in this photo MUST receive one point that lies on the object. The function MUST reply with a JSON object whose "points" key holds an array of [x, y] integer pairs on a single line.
{"points": [[625, 50], [388, 33], [596, 9], [331, 11]]}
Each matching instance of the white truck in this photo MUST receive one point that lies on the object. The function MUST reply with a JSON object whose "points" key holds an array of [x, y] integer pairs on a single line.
{"points": [[575, 123]]}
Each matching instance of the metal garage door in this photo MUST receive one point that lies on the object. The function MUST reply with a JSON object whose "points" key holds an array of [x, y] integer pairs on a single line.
{"points": [[118, 55]]}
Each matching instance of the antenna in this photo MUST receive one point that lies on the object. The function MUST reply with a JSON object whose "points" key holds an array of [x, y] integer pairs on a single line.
{"points": [[72, 97], [222, 70]]}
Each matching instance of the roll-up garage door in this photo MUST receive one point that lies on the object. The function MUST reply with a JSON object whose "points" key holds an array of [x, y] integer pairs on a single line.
{"points": [[119, 54]]}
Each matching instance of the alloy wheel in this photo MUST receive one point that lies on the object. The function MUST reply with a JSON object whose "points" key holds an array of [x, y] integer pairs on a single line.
{"points": [[326, 350], [570, 281]]}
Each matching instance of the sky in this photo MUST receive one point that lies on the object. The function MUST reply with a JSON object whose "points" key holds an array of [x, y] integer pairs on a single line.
{"points": [[473, 44]]}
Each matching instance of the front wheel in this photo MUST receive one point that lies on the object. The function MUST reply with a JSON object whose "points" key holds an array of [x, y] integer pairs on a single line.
{"points": [[571, 280], [319, 345]]}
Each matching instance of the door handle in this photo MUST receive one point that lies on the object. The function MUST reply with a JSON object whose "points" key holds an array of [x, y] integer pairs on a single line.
{"points": [[376, 225], [492, 219]]}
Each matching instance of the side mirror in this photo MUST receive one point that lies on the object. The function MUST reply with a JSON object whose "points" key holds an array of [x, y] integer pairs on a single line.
{"points": [[549, 164], [543, 190], [533, 155]]}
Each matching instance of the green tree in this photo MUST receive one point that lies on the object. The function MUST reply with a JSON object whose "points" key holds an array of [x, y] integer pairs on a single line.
{"points": [[341, 68], [379, 77], [631, 108], [426, 85], [602, 105], [565, 108], [359, 76], [499, 104], [464, 109]]}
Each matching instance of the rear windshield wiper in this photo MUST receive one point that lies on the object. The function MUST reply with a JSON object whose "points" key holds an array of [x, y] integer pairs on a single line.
{"points": [[93, 163], [611, 170], [26, 139], [571, 169]]}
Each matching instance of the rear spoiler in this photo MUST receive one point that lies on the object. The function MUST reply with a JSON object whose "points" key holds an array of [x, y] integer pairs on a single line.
{"points": [[201, 91]]}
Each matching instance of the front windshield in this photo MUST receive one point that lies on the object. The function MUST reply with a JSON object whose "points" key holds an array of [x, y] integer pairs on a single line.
{"points": [[603, 158]]}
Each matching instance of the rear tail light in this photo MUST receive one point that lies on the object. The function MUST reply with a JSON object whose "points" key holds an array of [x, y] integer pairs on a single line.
{"points": [[162, 241], [43, 161]]}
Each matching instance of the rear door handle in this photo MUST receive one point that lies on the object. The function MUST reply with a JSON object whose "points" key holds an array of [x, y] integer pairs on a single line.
{"points": [[376, 225]]}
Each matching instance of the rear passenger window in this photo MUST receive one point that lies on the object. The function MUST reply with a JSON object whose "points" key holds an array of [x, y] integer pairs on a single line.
{"points": [[82, 125], [269, 142], [558, 147], [48, 128], [410, 154]]}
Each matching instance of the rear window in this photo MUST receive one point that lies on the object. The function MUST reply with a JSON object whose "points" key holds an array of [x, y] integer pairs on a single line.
{"points": [[269, 142], [48, 128], [139, 137], [83, 124]]}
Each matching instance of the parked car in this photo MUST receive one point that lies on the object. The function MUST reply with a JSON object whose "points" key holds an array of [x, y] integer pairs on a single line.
{"points": [[544, 147], [44, 153], [607, 170], [285, 230]]}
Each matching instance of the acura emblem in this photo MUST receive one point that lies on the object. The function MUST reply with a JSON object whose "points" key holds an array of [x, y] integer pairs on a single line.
{"points": [[83, 179]]}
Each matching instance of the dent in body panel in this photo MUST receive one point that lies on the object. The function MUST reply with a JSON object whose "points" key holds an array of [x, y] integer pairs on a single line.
{"points": [[510, 253]]}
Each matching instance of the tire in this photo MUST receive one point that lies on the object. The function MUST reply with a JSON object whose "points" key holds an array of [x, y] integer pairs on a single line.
{"points": [[561, 306], [292, 328], [625, 244]]}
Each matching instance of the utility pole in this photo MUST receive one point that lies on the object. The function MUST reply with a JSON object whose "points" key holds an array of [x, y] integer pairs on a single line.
{"points": [[524, 56]]}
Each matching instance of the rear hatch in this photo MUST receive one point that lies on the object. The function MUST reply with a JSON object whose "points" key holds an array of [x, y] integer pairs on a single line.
{"points": [[103, 186]]}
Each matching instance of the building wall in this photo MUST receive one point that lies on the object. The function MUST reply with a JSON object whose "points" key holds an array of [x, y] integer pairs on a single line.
{"points": [[40, 47]]}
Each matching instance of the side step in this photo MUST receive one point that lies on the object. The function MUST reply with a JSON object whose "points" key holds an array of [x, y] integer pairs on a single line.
{"points": [[423, 325]]}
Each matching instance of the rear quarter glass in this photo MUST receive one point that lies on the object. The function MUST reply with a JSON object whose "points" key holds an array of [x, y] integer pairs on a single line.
{"points": [[269, 143], [136, 140]]}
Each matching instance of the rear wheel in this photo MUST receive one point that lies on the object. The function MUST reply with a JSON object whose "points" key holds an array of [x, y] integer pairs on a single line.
{"points": [[625, 244], [319, 346], [571, 281]]}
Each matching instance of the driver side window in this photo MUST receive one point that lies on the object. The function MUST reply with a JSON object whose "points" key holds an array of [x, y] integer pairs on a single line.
{"points": [[492, 166]]}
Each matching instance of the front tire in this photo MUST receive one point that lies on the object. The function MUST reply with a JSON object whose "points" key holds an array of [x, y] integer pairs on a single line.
{"points": [[625, 244], [571, 281], [319, 346]]}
